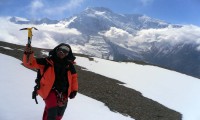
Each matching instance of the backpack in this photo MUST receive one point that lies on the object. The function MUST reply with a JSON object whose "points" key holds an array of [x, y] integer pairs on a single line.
{"points": [[37, 81]]}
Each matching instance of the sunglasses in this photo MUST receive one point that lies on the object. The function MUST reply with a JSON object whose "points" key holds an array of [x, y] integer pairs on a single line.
{"points": [[63, 49]]}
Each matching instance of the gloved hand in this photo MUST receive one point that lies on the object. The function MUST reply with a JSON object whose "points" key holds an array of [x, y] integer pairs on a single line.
{"points": [[28, 50], [72, 94]]}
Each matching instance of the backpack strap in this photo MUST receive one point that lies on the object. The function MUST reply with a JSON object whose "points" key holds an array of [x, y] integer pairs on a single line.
{"points": [[37, 81], [72, 68], [39, 76]]}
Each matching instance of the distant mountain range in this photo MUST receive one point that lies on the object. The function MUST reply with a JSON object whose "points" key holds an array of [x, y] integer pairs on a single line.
{"points": [[19, 20], [113, 36]]}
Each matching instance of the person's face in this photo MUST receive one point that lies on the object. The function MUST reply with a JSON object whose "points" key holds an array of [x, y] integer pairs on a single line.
{"points": [[62, 52]]}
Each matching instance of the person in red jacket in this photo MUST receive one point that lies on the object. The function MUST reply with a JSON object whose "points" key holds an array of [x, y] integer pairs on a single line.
{"points": [[58, 83]]}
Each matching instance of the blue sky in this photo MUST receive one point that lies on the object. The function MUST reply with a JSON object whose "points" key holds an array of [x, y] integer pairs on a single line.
{"points": [[173, 11]]}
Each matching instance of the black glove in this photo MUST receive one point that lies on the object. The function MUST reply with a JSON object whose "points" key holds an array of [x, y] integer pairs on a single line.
{"points": [[28, 50], [72, 94]]}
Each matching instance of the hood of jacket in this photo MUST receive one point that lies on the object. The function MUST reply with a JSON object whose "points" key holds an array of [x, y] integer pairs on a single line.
{"points": [[69, 57]]}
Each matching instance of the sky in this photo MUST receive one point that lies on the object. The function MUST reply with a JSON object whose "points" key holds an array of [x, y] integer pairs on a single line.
{"points": [[172, 11], [172, 89]]}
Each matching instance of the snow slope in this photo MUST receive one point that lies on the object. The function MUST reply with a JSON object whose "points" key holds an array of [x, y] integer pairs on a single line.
{"points": [[172, 89], [16, 85]]}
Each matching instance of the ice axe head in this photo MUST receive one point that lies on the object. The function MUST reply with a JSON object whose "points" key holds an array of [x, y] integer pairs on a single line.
{"points": [[35, 28], [29, 34]]}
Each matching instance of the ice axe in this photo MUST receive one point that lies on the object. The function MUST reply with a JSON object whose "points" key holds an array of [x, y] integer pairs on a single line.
{"points": [[29, 34], [29, 38]]}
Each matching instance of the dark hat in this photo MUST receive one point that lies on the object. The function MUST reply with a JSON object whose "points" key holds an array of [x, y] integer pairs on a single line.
{"points": [[70, 56]]}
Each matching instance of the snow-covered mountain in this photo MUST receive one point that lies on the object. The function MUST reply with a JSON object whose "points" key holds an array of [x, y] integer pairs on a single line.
{"points": [[19, 20], [101, 32], [95, 20]]}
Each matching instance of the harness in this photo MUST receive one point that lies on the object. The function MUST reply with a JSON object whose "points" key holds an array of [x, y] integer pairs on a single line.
{"points": [[62, 98]]}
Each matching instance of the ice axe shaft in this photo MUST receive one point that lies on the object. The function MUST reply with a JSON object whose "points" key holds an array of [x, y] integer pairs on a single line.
{"points": [[29, 38]]}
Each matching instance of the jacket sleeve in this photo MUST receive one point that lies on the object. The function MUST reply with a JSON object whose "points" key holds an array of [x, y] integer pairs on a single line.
{"points": [[74, 82], [74, 79], [32, 63]]}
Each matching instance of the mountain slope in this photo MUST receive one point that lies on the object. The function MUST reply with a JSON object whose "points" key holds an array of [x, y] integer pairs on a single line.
{"points": [[94, 20], [23, 82], [109, 91]]}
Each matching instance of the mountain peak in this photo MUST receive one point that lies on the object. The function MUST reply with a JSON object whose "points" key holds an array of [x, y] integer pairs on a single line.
{"points": [[100, 9], [20, 20], [16, 19]]}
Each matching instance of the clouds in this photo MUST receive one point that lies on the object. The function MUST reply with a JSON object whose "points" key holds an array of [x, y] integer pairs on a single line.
{"points": [[187, 34], [118, 35], [48, 36], [35, 6], [45, 8], [146, 2], [68, 6]]}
